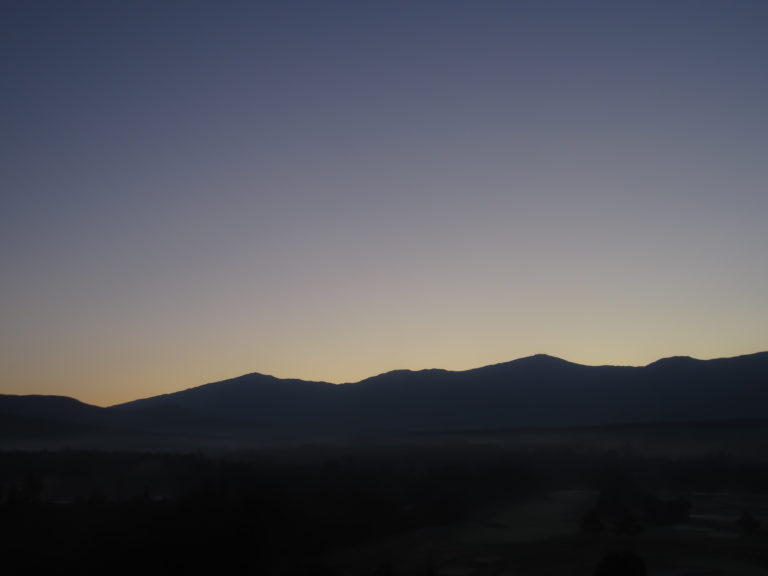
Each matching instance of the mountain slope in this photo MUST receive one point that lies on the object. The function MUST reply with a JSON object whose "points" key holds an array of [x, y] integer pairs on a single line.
{"points": [[535, 391], [538, 391]]}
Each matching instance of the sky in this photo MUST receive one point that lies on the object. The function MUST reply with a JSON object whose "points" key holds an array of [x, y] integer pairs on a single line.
{"points": [[330, 190]]}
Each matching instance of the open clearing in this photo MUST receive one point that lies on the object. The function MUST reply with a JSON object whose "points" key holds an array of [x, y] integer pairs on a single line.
{"points": [[541, 536]]}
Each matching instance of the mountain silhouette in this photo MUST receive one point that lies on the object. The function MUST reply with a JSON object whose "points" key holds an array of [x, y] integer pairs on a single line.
{"points": [[537, 391]]}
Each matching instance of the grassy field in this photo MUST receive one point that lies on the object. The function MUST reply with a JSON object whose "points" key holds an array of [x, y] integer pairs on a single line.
{"points": [[450, 505], [541, 536]]}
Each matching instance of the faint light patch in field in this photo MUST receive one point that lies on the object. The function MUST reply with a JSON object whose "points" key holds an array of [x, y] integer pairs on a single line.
{"points": [[707, 530]]}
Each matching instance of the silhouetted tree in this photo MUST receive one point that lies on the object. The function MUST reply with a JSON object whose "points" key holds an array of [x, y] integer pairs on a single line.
{"points": [[591, 522], [96, 498], [385, 569], [13, 495], [618, 495], [678, 510], [628, 524], [748, 523], [31, 489], [313, 569], [621, 564]]}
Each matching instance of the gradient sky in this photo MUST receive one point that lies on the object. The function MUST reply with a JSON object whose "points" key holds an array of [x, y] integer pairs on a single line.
{"points": [[329, 190]]}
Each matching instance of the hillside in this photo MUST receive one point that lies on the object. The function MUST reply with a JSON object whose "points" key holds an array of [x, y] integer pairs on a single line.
{"points": [[538, 391]]}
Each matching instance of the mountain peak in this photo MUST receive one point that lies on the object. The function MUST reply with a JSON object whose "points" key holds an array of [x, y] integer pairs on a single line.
{"points": [[539, 390], [528, 363], [543, 357], [540, 360], [674, 361]]}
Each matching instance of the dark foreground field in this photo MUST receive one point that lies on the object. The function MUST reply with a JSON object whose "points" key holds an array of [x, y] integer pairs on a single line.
{"points": [[451, 506]]}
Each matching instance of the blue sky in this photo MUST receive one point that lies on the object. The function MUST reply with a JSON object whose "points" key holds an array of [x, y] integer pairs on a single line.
{"points": [[328, 190]]}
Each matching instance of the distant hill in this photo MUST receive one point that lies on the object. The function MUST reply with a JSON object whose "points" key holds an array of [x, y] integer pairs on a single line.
{"points": [[538, 391]]}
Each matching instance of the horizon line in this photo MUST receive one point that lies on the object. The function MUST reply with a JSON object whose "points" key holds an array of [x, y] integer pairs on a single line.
{"points": [[405, 370]]}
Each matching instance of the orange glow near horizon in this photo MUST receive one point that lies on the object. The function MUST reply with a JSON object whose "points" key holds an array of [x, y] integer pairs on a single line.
{"points": [[193, 191]]}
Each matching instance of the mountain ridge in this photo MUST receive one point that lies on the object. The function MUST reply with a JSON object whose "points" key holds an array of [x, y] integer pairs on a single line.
{"points": [[540, 356], [534, 391]]}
